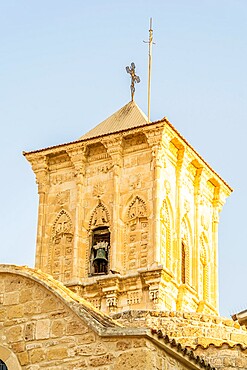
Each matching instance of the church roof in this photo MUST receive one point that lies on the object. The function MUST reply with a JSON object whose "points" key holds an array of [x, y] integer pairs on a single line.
{"points": [[127, 117]]}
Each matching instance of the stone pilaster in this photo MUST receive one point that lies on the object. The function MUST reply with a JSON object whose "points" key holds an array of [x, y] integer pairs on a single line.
{"points": [[79, 161]]}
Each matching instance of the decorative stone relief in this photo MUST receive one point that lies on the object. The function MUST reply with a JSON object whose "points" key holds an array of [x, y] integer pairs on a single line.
{"points": [[62, 197], [186, 206], [98, 190], [165, 235], [112, 301], [134, 297], [184, 254], [135, 181], [136, 235], [100, 216], [154, 294], [61, 178], [96, 302], [137, 209], [61, 248], [203, 276]]}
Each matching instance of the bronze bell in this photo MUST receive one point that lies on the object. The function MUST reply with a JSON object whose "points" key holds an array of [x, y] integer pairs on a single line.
{"points": [[100, 255]]}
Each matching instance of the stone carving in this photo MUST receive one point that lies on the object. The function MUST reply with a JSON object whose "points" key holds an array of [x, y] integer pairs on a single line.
{"points": [[96, 170], [98, 190], [186, 206], [112, 301], [165, 235], [134, 297], [61, 178], [184, 255], [100, 216], [137, 209], [136, 235], [60, 250], [154, 294], [204, 276], [62, 197], [96, 302], [62, 227], [135, 181]]}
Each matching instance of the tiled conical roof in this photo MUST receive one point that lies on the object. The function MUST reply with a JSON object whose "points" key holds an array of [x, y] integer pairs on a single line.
{"points": [[129, 116]]}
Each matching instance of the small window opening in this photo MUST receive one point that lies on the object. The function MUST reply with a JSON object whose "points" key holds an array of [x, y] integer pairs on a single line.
{"points": [[99, 260]]}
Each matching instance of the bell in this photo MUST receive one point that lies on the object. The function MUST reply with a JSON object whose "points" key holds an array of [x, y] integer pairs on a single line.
{"points": [[100, 255]]}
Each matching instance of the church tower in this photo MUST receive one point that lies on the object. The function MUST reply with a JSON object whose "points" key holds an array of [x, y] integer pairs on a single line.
{"points": [[128, 216]]}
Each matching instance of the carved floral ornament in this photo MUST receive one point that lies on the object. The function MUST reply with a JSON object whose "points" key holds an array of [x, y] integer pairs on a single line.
{"points": [[98, 189]]}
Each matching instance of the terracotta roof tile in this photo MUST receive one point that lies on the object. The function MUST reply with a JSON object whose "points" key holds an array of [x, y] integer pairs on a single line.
{"points": [[184, 350]]}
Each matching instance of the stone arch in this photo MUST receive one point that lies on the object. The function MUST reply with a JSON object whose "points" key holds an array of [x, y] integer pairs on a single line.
{"points": [[9, 359], [185, 251], [204, 268], [136, 234], [166, 234], [98, 258], [60, 249], [99, 217]]}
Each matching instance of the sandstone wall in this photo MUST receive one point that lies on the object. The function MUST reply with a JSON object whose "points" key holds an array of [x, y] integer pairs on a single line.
{"points": [[38, 329]]}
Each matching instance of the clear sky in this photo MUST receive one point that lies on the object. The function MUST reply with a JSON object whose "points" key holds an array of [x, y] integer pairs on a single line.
{"points": [[62, 71]]}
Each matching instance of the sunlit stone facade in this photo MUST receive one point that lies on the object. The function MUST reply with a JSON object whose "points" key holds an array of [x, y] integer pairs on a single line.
{"points": [[128, 216]]}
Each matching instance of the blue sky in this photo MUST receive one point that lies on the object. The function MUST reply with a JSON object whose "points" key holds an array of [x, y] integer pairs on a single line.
{"points": [[62, 71]]}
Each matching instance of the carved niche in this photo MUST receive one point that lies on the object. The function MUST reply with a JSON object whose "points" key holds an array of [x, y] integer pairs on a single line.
{"points": [[136, 235], [99, 243], [166, 257], [61, 251]]}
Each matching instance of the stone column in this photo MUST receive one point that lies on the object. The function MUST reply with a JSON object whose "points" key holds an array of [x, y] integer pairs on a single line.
{"points": [[114, 149], [217, 206], [157, 200], [180, 158], [40, 168], [78, 159], [197, 200]]}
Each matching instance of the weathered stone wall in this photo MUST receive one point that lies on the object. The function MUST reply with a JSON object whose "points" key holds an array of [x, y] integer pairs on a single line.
{"points": [[224, 357], [189, 329], [39, 328]]}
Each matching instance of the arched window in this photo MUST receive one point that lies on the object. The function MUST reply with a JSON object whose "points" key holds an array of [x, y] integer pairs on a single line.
{"points": [[99, 241], [100, 251], [3, 366]]}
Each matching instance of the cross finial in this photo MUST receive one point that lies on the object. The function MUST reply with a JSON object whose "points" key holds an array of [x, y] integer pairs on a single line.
{"points": [[134, 78]]}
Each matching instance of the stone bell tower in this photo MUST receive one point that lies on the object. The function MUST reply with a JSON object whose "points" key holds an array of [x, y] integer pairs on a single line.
{"points": [[128, 216]]}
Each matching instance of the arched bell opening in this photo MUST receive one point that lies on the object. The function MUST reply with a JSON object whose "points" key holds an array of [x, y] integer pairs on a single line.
{"points": [[3, 366], [99, 259]]}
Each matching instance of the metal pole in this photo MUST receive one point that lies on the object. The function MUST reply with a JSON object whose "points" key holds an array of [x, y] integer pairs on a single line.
{"points": [[150, 66]]}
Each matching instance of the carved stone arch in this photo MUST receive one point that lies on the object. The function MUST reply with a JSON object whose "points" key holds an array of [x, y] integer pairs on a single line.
{"points": [[99, 217], [9, 359], [62, 225], [60, 248], [136, 235], [166, 234], [137, 208], [98, 255], [204, 267]]}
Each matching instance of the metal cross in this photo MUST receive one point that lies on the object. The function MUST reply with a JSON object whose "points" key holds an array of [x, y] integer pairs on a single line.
{"points": [[134, 78]]}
